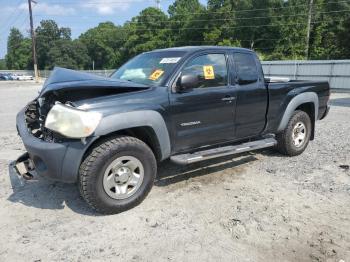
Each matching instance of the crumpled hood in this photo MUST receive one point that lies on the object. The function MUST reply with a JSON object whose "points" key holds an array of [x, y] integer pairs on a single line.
{"points": [[65, 79]]}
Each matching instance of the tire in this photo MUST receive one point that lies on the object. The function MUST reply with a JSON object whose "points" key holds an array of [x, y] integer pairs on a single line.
{"points": [[99, 183], [288, 142]]}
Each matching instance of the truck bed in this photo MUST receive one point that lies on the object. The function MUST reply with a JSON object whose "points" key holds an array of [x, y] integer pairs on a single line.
{"points": [[281, 91]]}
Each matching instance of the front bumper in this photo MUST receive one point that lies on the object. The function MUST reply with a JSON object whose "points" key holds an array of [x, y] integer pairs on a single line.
{"points": [[56, 161]]}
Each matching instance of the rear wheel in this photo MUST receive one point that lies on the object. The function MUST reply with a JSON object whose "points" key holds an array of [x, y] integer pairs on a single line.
{"points": [[296, 136], [117, 174]]}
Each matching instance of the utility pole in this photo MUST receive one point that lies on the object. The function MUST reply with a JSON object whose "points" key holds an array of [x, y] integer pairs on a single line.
{"points": [[309, 19], [158, 4], [33, 39]]}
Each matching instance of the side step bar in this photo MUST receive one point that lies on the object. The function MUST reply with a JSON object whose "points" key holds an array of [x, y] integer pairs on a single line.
{"points": [[189, 158]]}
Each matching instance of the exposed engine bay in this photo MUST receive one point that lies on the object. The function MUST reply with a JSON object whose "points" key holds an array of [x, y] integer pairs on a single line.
{"points": [[38, 109], [35, 115], [67, 86]]}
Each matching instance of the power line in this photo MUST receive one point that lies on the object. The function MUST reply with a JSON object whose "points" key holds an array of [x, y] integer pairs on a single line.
{"points": [[206, 42], [11, 24], [223, 12], [12, 19], [14, 10], [21, 26], [232, 27], [201, 41], [141, 28], [109, 2], [237, 18], [225, 19]]}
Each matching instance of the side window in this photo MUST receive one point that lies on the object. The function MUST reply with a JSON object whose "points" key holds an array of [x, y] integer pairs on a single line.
{"points": [[246, 68], [210, 69]]}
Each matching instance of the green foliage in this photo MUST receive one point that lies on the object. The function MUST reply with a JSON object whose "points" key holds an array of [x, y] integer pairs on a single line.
{"points": [[147, 31], [3, 64], [275, 29], [68, 54], [105, 45], [344, 38], [47, 34], [229, 42], [18, 50], [329, 37], [187, 18]]}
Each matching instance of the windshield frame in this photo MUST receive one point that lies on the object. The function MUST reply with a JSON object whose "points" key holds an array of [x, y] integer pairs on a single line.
{"points": [[166, 54]]}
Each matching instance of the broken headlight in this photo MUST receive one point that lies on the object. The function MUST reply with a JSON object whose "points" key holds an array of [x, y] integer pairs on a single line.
{"points": [[72, 122]]}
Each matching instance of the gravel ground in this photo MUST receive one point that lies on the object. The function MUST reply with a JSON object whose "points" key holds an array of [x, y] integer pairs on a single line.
{"points": [[254, 207]]}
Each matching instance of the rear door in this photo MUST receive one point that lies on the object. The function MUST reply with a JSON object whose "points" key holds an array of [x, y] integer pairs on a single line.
{"points": [[204, 115], [252, 96]]}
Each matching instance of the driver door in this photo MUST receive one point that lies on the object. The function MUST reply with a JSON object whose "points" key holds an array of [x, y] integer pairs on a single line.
{"points": [[204, 115]]}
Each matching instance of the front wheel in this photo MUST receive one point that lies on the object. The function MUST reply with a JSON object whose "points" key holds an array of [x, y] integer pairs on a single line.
{"points": [[117, 174], [296, 136]]}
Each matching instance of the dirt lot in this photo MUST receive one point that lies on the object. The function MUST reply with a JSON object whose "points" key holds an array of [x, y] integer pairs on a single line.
{"points": [[255, 207]]}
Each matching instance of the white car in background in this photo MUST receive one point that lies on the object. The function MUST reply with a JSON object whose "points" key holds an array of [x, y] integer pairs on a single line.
{"points": [[22, 77]]}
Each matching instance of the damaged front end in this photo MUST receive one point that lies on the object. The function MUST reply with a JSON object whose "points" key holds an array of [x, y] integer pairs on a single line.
{"points": [[34, 118], [55, 131], [24, 165], [68, 88], [35, 115]]}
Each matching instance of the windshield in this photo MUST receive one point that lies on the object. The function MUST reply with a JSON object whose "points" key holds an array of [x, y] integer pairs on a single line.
{"points": [[149, 68]]}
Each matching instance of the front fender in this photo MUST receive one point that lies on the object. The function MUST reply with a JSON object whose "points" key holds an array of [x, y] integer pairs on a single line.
{"points": [[307, 97], [149, 118]]}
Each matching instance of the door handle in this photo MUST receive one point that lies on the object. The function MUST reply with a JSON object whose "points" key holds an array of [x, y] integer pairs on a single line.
{"points": [[228, 98]]}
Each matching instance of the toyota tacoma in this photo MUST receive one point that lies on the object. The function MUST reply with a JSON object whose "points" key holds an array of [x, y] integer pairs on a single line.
{"points": [[186, 104]]}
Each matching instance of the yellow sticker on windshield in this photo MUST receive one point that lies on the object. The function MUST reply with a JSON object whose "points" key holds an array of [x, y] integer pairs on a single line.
{"points": [[156, 74], [208, 72]]}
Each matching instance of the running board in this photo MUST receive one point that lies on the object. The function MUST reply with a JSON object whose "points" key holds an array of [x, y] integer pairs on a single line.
{"points": [[189, 158]]}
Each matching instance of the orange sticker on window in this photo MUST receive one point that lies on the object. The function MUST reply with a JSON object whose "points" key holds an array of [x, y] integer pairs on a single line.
{"points": [[156, 74], [208, 72]]}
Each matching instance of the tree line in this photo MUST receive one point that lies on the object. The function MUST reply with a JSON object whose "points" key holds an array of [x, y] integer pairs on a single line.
{"points": [[275, 29]]}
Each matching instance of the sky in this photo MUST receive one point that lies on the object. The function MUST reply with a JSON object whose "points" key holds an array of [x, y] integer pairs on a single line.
{"points": [[79, 15]]}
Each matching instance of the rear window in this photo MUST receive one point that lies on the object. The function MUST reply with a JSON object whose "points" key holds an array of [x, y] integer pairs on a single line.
{"points": [[245, 67]]}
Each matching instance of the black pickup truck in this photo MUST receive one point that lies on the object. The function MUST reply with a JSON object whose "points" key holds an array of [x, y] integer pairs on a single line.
{"points": [[185, 104]]}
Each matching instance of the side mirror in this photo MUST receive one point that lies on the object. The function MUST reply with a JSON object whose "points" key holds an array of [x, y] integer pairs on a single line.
{"points": [[186, 82]]}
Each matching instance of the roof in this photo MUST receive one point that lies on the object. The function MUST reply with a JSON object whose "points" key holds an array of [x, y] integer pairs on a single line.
{"points": [[200, 48]]}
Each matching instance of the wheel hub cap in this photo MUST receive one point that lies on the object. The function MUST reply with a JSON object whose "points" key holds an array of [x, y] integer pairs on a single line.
{"points": [[299, 134], [123, 174], [123, 177]]}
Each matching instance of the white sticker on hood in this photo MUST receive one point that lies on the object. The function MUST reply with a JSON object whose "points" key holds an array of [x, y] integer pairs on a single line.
{"points": [[169, 60]]}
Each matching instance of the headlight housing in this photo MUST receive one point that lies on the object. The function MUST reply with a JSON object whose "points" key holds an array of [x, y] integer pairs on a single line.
{"points": [[72, 122]]}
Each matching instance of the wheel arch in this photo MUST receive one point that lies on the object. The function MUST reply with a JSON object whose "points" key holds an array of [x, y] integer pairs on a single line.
{"points": [[144, 133], [146, 125], [307, 102]]}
